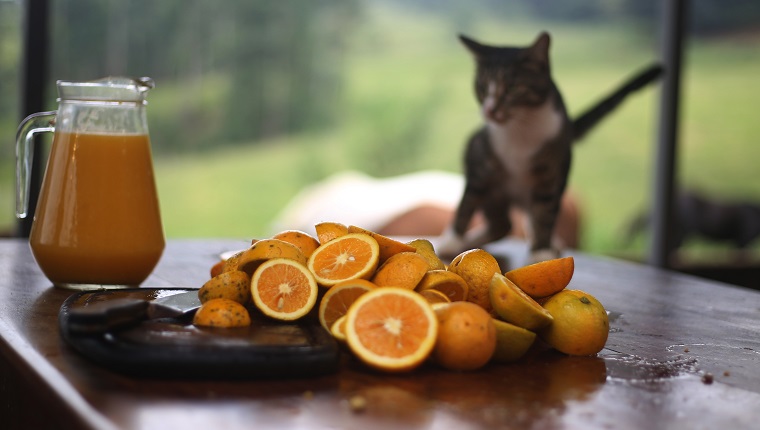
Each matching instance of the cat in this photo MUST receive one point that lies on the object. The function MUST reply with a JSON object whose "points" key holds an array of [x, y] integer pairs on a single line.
{"points": [[698, 216], [521, 156]]}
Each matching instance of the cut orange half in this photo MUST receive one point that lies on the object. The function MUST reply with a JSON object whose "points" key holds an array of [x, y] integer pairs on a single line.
{"points": [[327, 231], [404, 269], [434, 296], [266, 249], [391, 329], [284, 289], [514, 306], [338, 329], [351, 256], [388, 246], [544, 278], [303, 241], [338, 299], [449, 283]]}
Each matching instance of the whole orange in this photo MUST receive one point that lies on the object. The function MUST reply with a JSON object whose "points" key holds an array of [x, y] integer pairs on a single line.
{"points": [[466, 336], [580, 325]]}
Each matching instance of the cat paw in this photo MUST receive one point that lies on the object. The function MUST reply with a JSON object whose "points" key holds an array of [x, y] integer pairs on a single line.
{"points": [[544, 254], [450, 244]]}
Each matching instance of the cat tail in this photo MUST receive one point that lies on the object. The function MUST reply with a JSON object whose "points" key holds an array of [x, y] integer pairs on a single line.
{"points": [[591, 117]]}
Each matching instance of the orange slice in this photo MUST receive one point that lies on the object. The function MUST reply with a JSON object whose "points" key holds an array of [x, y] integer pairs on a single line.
{"points": [[327, 231], [338, 329], [284, 289], [351, 256], [448, 283], [544, 278], [404, 270], [434, 296], [303, 241], [388, 246], [266, 249], [391, 329], [338, 299], [512, 305]]}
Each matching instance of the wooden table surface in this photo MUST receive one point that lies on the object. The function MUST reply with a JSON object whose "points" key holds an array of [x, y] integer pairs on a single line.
{"points": [[682, 353]]}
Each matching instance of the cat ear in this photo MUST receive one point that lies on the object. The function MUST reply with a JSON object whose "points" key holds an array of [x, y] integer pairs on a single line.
{"points": [[539, 51], [474, 47]]}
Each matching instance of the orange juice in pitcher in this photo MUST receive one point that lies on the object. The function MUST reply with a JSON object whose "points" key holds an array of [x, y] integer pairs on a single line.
{"points": [[97, 223]]}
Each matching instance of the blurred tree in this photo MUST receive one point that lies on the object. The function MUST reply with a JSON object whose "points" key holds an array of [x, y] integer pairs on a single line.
{"points": [[274, 66]]}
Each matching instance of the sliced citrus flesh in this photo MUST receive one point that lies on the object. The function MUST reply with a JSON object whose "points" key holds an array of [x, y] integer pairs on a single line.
{"points": [[327, 231], [391, 329], [303, 241], [351, 256], [512, 305], [338, 298], [476, 267], [512, 342], [404, 270], [580, 325], [544, 278], [266, 249], [338, 329], [284, 289], [434, 296], [388, 246], [448, 283]]}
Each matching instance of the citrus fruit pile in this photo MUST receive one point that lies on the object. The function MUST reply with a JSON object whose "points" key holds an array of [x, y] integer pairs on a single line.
{"points": [[396, 305]]}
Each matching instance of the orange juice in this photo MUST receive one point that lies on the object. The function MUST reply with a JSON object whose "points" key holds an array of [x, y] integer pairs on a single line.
{"points": [[97, 220]]}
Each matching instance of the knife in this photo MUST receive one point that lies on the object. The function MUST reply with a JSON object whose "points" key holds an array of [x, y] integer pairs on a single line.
{"points": [[101, 317]]}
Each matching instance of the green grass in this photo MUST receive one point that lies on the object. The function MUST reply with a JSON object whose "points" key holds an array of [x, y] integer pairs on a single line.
{"points": [[408, 105]]}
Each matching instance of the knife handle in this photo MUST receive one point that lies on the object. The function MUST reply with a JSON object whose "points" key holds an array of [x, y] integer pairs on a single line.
{"points": [[101, 317]]}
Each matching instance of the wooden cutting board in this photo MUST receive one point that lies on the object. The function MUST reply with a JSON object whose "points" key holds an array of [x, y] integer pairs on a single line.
{"points": [[174, 348]]}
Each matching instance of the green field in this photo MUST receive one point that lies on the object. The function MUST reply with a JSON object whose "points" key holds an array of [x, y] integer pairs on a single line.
{"points": [[407, 105]]}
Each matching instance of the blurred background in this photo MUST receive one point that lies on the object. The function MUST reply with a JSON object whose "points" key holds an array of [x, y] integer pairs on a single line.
{"points": [[255, 100]]}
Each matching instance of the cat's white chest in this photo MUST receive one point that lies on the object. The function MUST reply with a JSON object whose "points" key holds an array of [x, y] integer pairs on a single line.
{"points": [[516, 140]]}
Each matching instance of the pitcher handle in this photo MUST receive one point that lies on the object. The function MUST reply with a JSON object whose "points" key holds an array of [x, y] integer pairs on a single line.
{"points": [[40, 122]]}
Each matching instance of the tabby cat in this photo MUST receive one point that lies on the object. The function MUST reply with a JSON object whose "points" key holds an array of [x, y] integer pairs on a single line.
{"points": [[522, 155]]}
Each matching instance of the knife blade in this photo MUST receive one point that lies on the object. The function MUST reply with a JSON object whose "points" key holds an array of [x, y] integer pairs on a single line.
{"points": [[101, 317]]}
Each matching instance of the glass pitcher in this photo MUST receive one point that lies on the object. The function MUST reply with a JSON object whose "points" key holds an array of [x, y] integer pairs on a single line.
{"points": [[97, 223]]}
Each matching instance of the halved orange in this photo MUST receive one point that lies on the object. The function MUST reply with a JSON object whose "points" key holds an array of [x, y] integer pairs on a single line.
{"points": [[544, 278], [388, 246], [449, 283], [476, 267], [266, 249], [404, 269], [351, 256], [514, 306], [426, 249], [338, 329], [434, 296], [391, 329], [303, 241], [284, 289], [327, 231], [338, 299]]}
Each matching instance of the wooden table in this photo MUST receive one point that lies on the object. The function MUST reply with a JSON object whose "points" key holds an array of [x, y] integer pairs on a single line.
{"points": [[682, 353]]}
